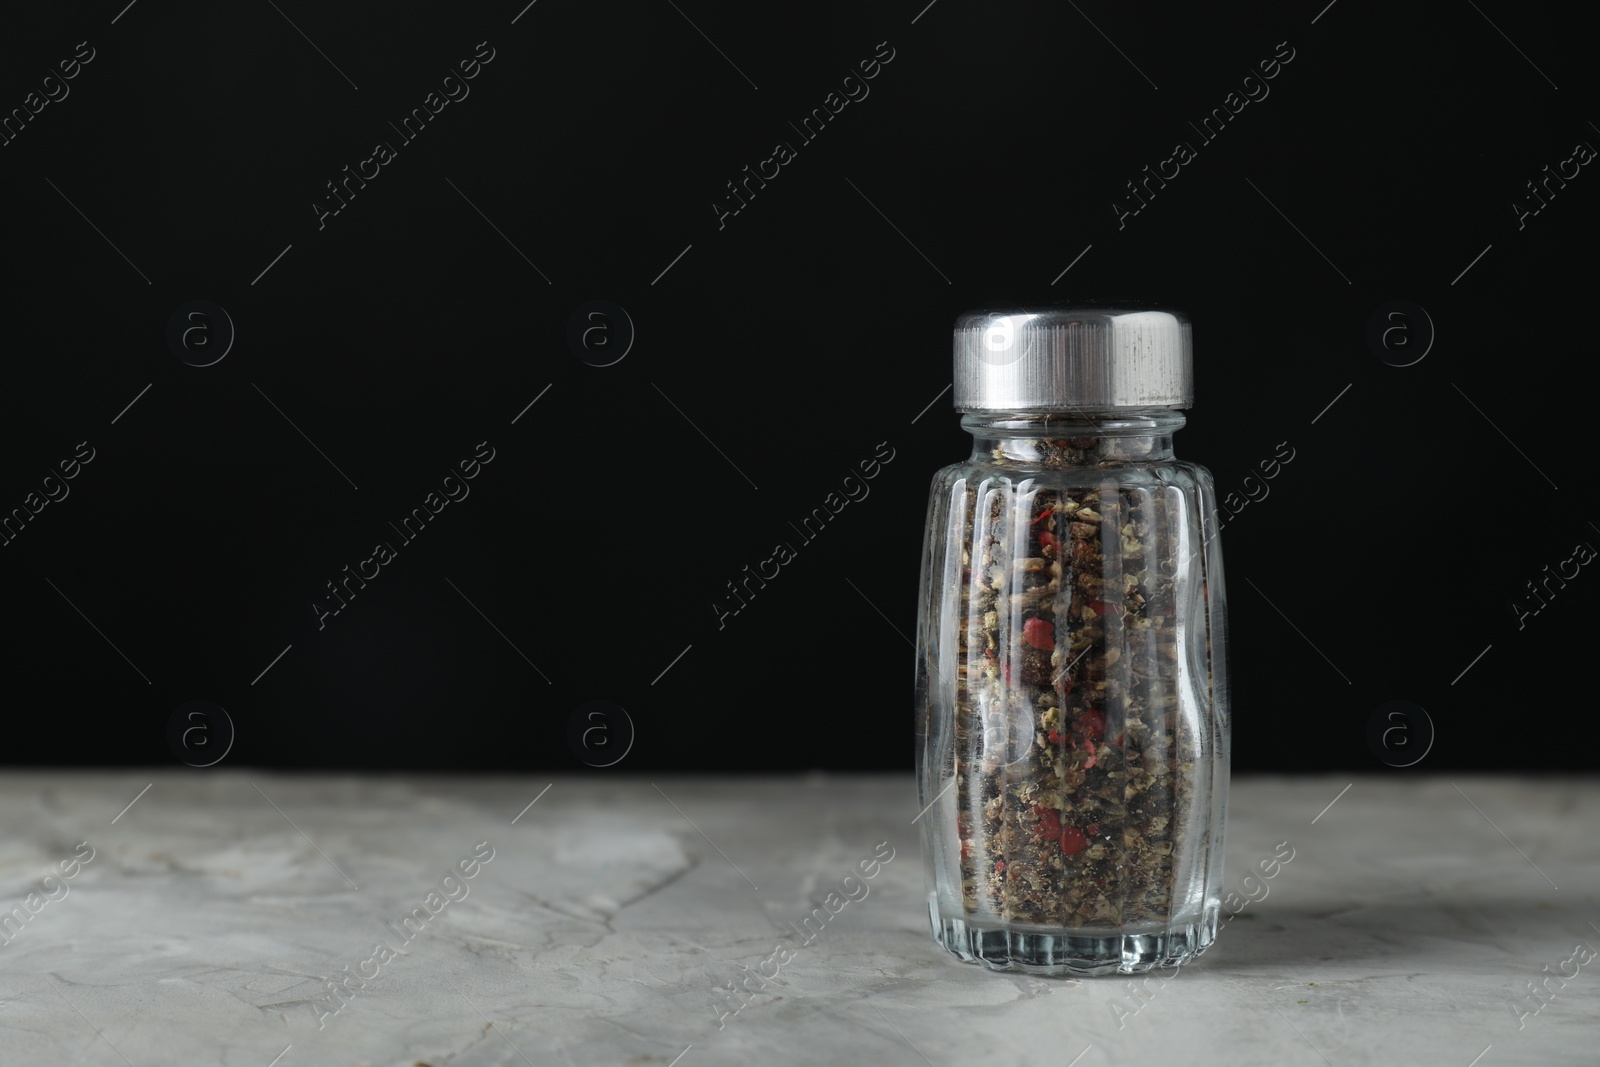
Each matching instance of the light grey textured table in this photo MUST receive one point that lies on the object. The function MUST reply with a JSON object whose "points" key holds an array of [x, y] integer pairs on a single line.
{"points": [[214, 909]]}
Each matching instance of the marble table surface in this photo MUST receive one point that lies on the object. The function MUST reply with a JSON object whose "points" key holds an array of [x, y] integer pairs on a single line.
{"points": [[591, 920]]}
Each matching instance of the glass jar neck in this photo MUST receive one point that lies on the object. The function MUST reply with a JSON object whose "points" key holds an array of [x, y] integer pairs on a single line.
{"points": [[1074, 438]]}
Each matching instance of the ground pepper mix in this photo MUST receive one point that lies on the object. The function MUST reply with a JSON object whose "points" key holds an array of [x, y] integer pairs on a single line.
{"points": [[1074, 769]]}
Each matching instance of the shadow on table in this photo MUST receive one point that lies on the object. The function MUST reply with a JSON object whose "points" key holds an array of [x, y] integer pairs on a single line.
{"points": [[1427, 929]]}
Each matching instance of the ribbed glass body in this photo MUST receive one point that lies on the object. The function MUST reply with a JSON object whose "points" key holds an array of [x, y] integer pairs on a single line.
{"points": [[1072, 696]]}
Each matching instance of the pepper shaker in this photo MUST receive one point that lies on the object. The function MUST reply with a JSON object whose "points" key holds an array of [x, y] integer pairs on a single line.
{"points": [[1071, 673]]}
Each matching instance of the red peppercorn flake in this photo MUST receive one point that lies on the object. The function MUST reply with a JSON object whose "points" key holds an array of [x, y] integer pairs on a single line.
{"points": [[1097, 606], [1055, 737], [1092, 723], [1092, 829], [1048, 540], [999, 865], [1071, 839], [1040, 634], [1049, 827]]}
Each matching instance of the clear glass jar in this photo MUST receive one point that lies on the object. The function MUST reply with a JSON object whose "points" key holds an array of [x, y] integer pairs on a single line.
{"points": [[1071, 683]]}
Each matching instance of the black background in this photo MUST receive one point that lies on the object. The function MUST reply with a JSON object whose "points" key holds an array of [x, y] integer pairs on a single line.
{"points": [[796, 337]]}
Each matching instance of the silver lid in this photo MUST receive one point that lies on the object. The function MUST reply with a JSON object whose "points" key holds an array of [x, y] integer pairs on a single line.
{"points": [[1089, 358]]}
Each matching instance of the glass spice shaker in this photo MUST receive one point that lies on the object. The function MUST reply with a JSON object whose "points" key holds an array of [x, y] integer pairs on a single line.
{"points": [[1071, 681]]}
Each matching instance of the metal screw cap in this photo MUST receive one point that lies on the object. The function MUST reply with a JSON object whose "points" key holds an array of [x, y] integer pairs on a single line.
{"points": [[1064, 358]]}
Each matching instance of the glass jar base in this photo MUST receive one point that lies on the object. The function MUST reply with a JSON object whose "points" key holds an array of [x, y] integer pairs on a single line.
{"points": [[1069, 954]]}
